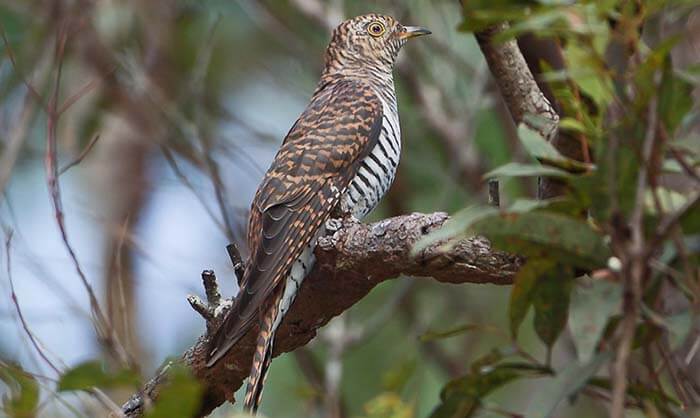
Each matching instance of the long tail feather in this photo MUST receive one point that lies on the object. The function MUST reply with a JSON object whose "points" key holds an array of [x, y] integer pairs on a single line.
{"points": [[261, 359]]}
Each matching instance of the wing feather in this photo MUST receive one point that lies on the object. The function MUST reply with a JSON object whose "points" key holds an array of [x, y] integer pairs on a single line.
{"points": [[318, 159]]}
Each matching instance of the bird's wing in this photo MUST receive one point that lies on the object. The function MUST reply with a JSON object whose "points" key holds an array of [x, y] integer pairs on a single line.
{"points": [[319, 157]]}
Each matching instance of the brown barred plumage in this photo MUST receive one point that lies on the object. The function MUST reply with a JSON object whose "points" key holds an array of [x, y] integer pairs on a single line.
{"points": [[328, 147]]}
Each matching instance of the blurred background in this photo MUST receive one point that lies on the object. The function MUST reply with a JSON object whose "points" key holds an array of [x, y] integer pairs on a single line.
{"points": [[157, 120]]}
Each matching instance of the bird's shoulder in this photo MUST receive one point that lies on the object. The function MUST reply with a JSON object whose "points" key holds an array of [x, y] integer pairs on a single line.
{"points": [[341, 122]]}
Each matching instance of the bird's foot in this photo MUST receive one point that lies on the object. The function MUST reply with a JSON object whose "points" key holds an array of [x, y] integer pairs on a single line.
{"points": [[333, 225]]}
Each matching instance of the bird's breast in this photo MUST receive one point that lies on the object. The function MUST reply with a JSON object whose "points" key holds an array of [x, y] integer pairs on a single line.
{"points": [[378, 169]]}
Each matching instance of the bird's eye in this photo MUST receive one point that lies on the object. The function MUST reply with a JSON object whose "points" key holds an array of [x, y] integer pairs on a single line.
{"points": [[376, 29]]}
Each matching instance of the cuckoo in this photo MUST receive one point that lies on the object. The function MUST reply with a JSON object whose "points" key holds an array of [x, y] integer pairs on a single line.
{"points": [[339, 157]]}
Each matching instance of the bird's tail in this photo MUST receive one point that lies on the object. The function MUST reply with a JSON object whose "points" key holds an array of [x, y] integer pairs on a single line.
{"points": [[261, 359]]}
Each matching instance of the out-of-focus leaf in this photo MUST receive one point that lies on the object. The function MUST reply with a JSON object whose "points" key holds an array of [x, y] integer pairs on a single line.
{"points": [[526, 205], [22, 398], [456, 226], [641, 392], [538, 147], [397, 377], [551, 303], [593, 302], [566, 383], [545, 234], [526, 170], [92, 374], [480, 14], [675, 97], [690, 222], [180, 397], [572, 125], [458, 330], [462, 397], [388, 405], [522, 294], [678, 325]]}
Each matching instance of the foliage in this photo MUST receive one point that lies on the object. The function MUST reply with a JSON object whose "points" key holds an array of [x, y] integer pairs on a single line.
{"points": [[22, 399], [206, 83], [633, 112]]}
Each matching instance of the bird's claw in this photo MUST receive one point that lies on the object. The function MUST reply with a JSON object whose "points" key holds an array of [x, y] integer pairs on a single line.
{"points": [[333, 225]]}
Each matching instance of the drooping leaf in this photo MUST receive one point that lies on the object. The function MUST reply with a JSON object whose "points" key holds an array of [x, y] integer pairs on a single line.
{"points": [[593, 302], [526, 170], [462, 397], [93, 374], [22, 398], [180, 397], [538, 147], [523, 291], [551, 303], [544, 234], [566, 383]]}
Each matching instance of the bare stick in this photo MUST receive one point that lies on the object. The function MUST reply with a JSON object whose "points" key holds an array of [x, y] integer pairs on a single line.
{"points": [[80, 157], [236, 261]]}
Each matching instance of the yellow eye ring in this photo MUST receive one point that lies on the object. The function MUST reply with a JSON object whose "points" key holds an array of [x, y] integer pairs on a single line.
{"points": [[376, 29]]}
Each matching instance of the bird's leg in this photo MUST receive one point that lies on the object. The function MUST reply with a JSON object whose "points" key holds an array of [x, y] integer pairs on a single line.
{"points": [[339, 218]]}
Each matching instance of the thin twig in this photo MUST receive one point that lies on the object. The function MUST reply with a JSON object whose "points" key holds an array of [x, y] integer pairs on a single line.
{"points": [[81, 156], [15, 302], [635, 270]]}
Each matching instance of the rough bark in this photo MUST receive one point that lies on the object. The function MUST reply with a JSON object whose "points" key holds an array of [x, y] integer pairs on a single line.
{"points": [[350, 263], [516, 82]]}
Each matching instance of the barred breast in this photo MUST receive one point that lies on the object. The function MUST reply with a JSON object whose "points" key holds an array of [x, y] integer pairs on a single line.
{"points": [[370, 184], [378, 169]]}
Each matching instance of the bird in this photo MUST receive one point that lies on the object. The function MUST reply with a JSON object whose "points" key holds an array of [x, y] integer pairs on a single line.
{"points": [[339, 157]]}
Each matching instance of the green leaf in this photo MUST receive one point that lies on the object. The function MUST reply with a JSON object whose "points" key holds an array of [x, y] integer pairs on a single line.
{"points": [[536, 145], [565, 384], [458, 330], [181, 396], [462, 397], [93, 374], [522, 294], [551, 303], [678, 325], [545, 234], [526, 170], [389, 405], [397, 376], [593, 302], [457, 226], [675, 97], [642, 392], [22, 398]]}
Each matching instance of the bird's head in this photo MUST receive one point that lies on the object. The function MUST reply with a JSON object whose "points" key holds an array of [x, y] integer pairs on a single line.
{"points": [[371, 41]]}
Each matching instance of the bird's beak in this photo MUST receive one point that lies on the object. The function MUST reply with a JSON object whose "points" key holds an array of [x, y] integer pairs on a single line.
{"points": [[413, 31]]}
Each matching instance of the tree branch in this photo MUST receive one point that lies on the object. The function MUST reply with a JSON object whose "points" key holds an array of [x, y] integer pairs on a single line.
{"points": [[516, 82], [349, 264]]}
